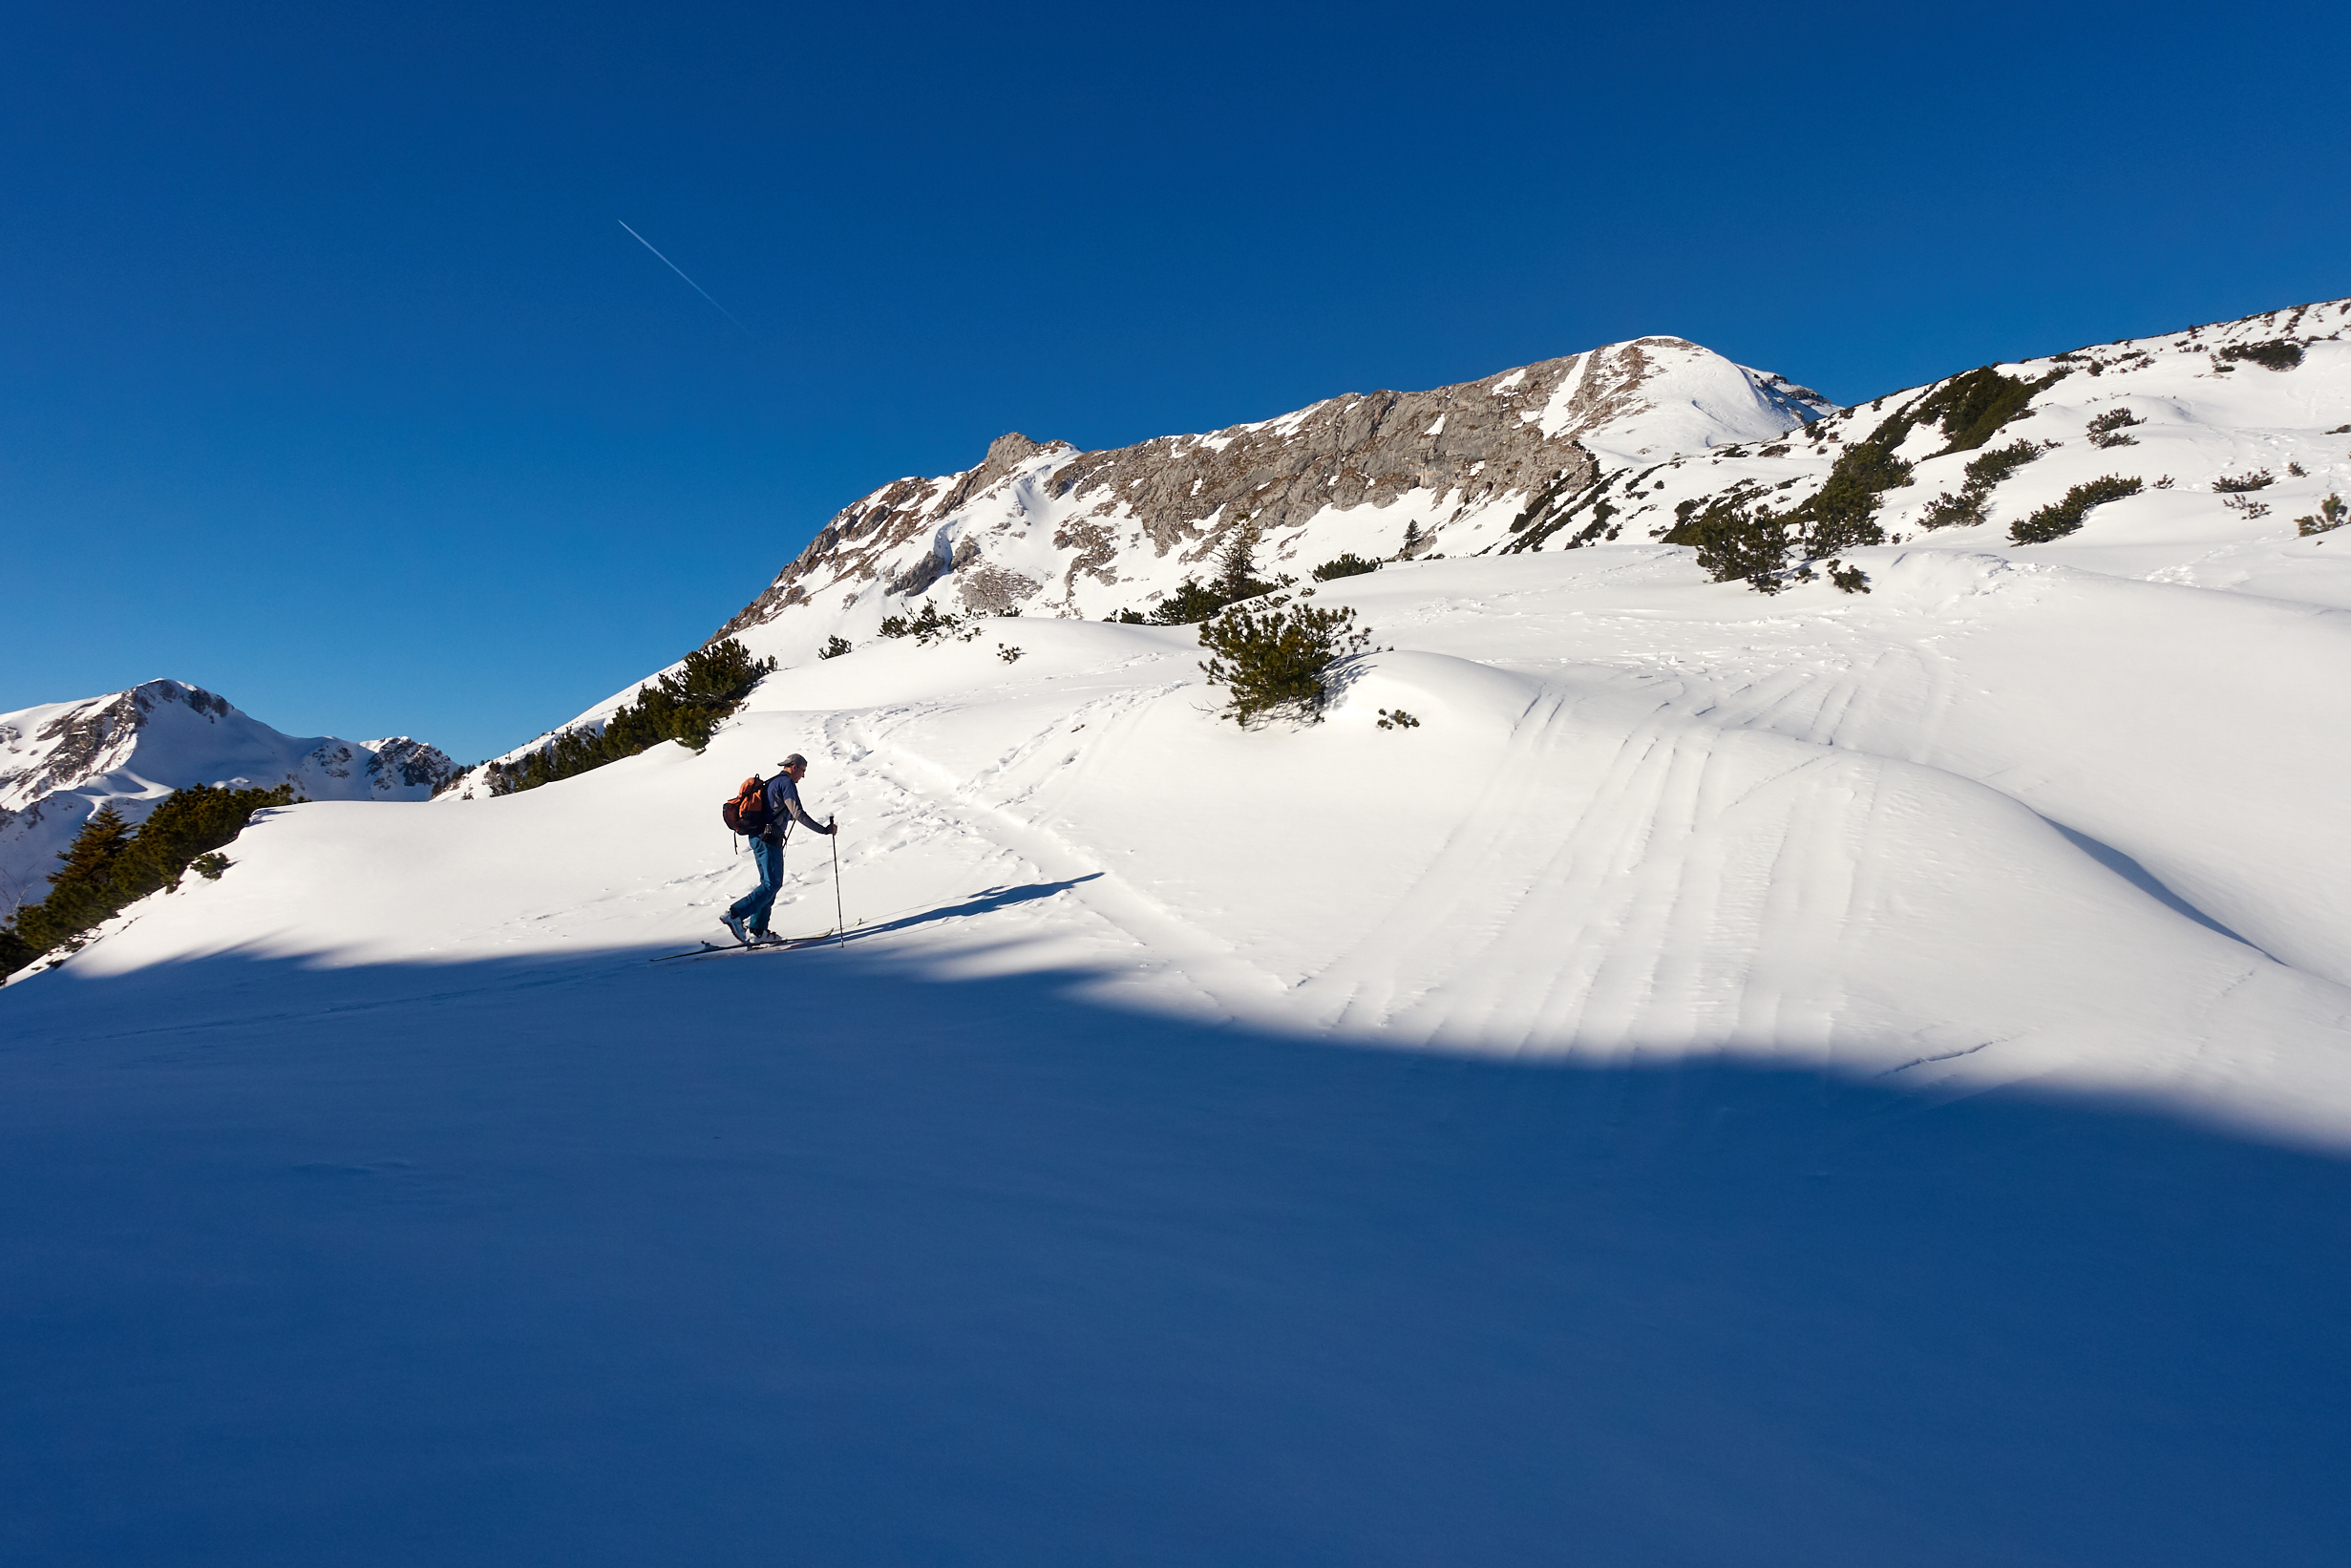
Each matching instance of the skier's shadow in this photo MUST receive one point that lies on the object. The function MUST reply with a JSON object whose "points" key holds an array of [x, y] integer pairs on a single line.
{"points": [[986, 900]]}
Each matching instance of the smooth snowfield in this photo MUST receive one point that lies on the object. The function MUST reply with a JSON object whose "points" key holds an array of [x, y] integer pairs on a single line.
{"points": [[1796, 1080]]}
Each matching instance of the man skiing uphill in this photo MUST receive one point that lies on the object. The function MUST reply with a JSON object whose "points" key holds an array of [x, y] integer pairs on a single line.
{"points": [[748, 915]]}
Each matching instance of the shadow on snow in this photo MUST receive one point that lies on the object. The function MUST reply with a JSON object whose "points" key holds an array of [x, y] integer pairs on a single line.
{"points": [[817, 1260]]}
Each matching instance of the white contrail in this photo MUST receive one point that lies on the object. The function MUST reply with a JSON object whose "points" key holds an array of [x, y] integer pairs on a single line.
{"points": [[681, 272]]}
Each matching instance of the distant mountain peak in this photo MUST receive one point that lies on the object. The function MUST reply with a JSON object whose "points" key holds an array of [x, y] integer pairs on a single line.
{"points": [[61, 761], [1045, 527]]}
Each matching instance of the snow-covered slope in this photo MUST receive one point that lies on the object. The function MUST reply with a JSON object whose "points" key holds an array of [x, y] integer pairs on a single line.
{"points": [[1853, 1077], [2064, 811], [61, 761], [2178, 414]]}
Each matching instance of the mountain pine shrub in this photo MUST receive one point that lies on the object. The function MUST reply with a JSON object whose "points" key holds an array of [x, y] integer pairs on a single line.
{"points": [[833, 647], [1973, 407], [2236, 484], [930, 627], [2059, 519], [2276, 354], [1848, 579], [1274, 658], [684, 706], [2107, 429], [1349, 564], [1737, 542], [1984, 473], [109, 864], [2331, 515]]}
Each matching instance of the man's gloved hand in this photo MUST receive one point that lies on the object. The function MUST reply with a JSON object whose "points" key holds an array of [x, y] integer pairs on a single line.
{"points": [[832, 825]]}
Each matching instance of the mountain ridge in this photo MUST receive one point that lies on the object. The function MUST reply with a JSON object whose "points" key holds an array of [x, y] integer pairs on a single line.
{"points": [[59, 762]]}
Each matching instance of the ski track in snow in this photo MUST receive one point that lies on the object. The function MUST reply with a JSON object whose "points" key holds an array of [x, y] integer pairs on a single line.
{"points": [[1823, 1078]]}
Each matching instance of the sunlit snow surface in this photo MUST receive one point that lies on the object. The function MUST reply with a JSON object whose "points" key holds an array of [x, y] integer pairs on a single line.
{"points": [[1812, 1079], [1891, 1058]]}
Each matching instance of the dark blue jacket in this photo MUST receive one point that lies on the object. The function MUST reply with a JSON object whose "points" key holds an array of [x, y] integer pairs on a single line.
{"points": [[784, 807]]}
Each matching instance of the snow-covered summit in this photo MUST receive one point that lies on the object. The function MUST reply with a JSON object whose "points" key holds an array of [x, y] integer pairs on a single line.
{"points": [[61, 761], [1045, 529], [2231, 432]]}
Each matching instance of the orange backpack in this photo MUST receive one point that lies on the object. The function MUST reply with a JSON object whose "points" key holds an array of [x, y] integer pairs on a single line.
{"points": [[746, 810]]}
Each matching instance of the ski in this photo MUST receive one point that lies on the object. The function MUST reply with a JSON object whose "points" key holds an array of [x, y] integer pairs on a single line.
{"points": [[716, 949]]}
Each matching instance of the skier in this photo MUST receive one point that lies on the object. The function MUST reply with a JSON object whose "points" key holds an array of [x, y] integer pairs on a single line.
{"points": [[748, 915]]}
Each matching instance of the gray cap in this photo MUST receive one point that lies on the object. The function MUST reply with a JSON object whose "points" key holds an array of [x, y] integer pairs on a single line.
{"points": [[794, 760]]}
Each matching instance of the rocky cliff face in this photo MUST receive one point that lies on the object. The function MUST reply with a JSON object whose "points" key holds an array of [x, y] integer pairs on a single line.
{"points": [[1044, 528], [60, 762]]}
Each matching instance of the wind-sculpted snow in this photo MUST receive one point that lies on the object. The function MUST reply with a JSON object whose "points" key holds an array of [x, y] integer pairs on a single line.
{"points": [[1998, 822], [60, 762], [1861, 1079], [1804, 1078]]}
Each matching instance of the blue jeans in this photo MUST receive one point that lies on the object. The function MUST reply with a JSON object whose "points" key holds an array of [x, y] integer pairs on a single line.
{"points": [[752, 907]]}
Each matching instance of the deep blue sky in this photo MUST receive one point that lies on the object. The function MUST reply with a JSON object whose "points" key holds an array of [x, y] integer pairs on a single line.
{"points": [[329, 381]]}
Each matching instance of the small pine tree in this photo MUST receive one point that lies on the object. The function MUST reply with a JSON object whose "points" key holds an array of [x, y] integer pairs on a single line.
{"points": [[1274, 657], [1411, 537], [833, 647], [2332, 514]]}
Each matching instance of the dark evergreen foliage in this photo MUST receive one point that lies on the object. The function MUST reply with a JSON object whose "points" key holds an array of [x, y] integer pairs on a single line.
{"points": [[1275, 657], [930, 627], [1973, 407], [2236, 484], [833, 647], [2059, 519], [684, 706], [2107, 429], [1236, 579], [1848, 579], [1738, 542], [1349, 564], [109, 864], [2332, 514], [1966, 508], [1843, 514], [2276, 354]]}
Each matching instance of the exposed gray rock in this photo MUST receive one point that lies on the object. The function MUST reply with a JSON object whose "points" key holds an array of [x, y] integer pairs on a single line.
{"points": [[1509, 436]]}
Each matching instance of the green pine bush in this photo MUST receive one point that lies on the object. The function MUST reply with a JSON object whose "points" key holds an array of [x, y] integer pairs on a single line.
{"points": [[685, 706], [1274, 657], [1349, 564], [1966, 508], [2059, 519], [930, 627], [2332, 514], [2107, 429], [2276, 354]]}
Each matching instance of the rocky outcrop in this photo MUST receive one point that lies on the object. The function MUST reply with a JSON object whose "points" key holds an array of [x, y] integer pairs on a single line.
{"points": [[1043, 527]]}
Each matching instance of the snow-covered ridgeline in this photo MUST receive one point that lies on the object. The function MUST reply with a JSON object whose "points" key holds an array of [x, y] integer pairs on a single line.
{"points": [[1047, 529], [2175, 412], [61, 761]]}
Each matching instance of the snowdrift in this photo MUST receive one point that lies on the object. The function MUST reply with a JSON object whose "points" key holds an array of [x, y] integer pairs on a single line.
{"points": [[1810, 1078]]}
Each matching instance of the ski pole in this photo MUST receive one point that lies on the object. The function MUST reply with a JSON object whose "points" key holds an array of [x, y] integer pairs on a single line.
{"points": [[841, 936]]}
